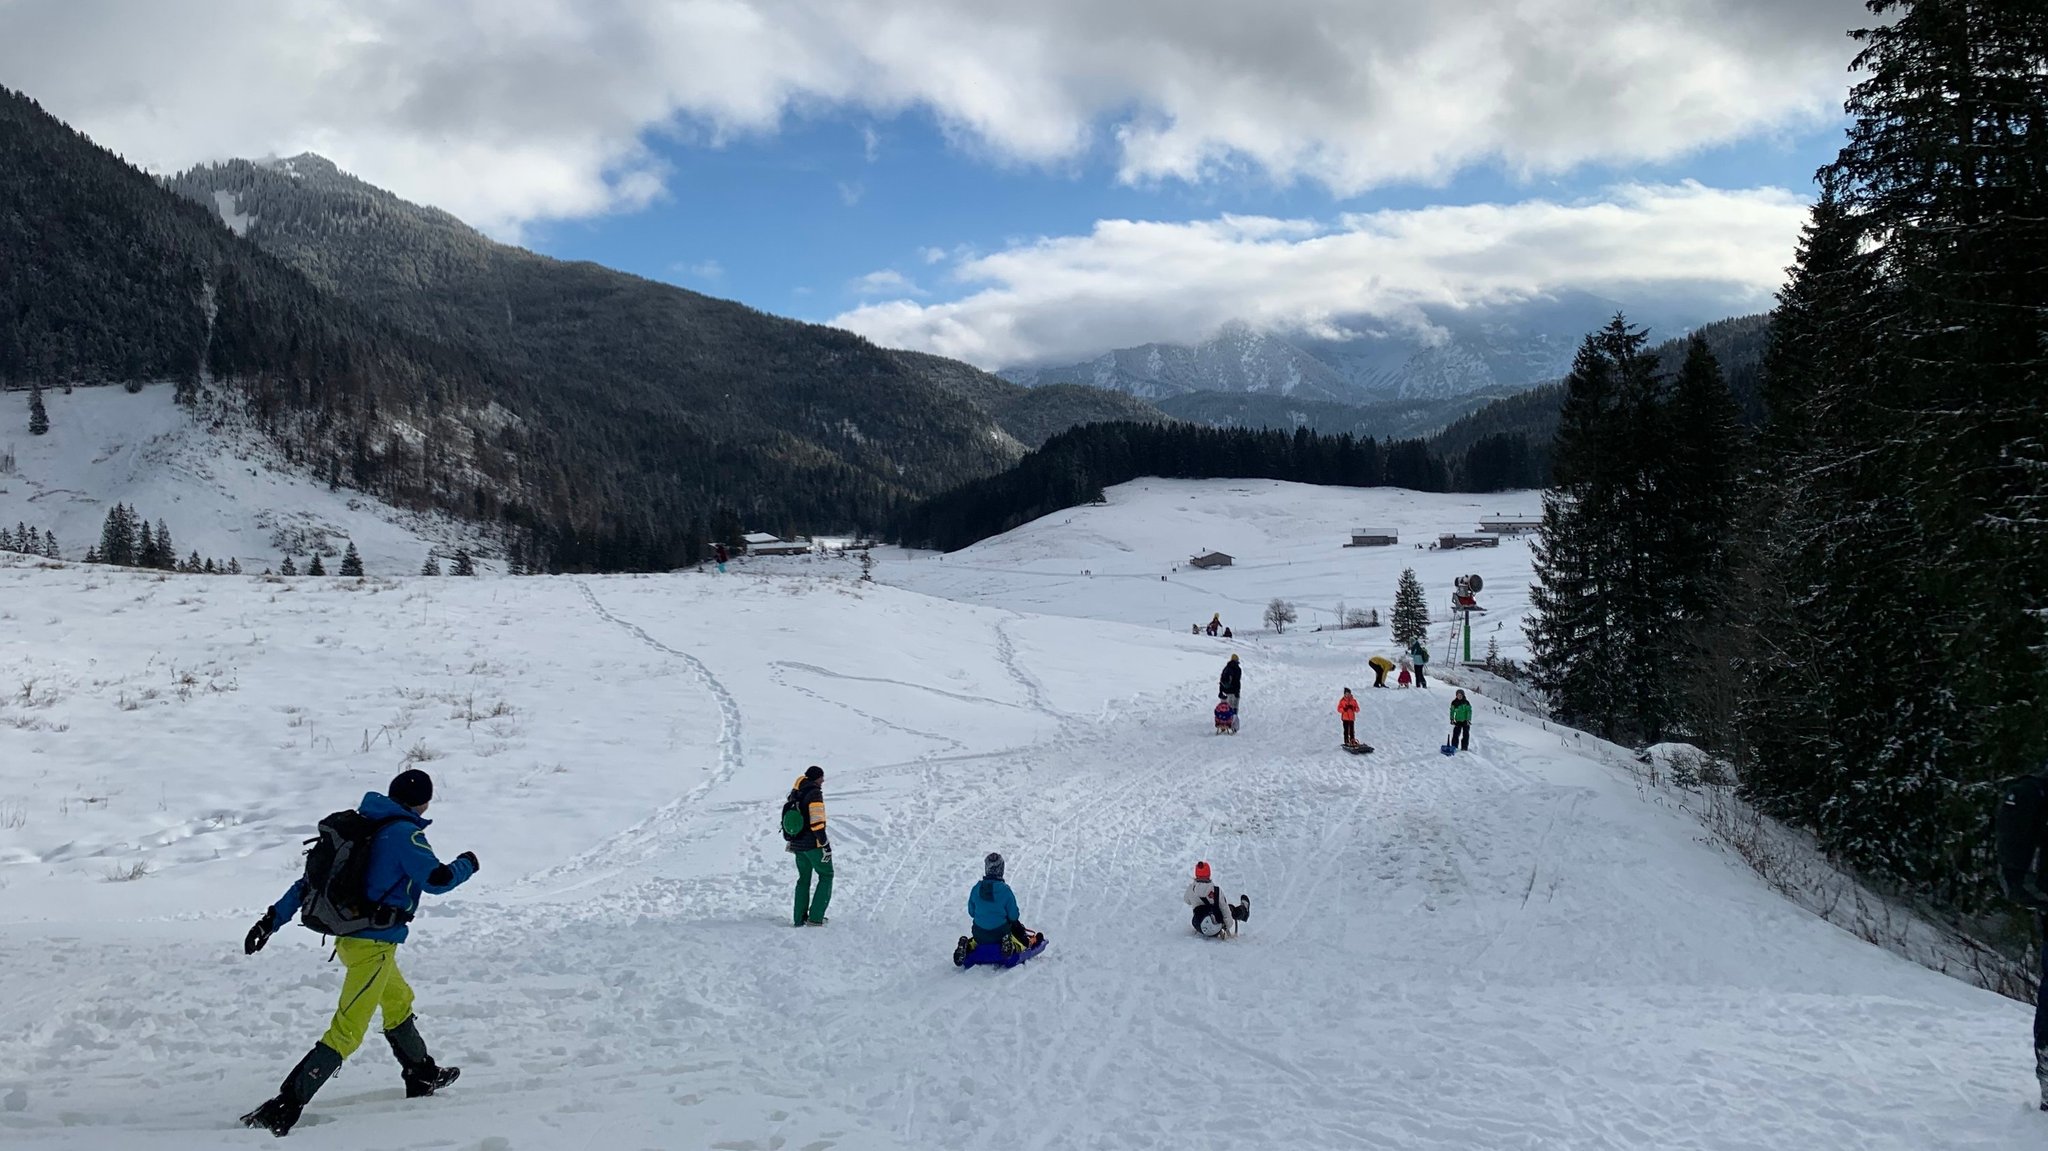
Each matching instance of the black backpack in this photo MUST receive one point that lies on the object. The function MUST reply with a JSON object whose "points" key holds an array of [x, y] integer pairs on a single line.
{"points": [[2016, 835], [337, 899]]}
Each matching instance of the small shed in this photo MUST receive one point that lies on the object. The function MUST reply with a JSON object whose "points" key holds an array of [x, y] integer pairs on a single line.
{"points": [[1373, 538], [1451, 543], [1210, 560], [1511, 525]]}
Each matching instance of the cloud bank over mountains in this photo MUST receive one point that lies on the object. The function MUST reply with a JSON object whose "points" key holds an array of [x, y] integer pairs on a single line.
{"points": [[507, 111], [1130, 282]]}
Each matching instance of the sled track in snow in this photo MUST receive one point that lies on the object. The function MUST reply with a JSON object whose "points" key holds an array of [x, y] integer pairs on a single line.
{"points": [[636, 843]]}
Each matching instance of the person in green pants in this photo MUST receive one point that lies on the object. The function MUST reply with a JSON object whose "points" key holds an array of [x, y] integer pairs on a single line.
{"points": [[803, 827]]}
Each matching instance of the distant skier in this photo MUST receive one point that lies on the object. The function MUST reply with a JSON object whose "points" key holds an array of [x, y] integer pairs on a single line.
{"points": [[1420, 655], [399, 867], [1347, 710], [803, 832], [1215, 623], [993, 908], [1226, 717], [719, 553], [1213, 914], [1380, 665], [1461, 721]]}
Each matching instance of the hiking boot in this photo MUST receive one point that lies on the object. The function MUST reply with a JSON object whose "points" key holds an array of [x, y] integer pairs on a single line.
{"points": [[275, 1116], [421, 1082], [422, 1075], [962, 950], [280, 1114], [1243, 910], [820, 921]]}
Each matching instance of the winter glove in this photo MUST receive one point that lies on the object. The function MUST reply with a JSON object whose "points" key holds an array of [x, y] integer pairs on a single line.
{"points": [[258, 935], [474, 866]]}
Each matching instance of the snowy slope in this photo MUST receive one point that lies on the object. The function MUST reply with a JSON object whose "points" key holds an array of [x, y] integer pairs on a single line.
{"points": [[1516, 947], [1287, 541], [225, 493]]}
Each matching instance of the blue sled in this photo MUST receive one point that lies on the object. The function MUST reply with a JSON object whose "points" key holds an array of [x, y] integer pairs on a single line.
{"points": [[993, 955]]}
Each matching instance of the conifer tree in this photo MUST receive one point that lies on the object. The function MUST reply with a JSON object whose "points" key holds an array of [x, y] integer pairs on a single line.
{"points": [[192, 563], [1411, 610], [432, 567], [464, 565], [117, 537], [50, 550], [316, 568], [351, 562], [166, 551], [234, 566], [38, 416], [146, 553], [288, 567], [1907, 391], [92, 555]]}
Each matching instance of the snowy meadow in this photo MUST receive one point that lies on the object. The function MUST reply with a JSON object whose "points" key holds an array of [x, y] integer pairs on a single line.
{"points": [[1519, 946]]}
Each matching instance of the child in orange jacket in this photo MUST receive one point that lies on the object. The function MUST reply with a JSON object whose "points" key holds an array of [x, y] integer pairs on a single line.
{"points": [[1347, 710]]}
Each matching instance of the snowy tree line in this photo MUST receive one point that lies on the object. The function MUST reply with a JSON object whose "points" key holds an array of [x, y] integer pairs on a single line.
{"points": [[127, 539], [1850, 609], [29, 541]]}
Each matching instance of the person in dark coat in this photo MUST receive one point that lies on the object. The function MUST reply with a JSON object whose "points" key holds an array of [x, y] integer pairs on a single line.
{"points": [[812, 848], [1229, 684]]}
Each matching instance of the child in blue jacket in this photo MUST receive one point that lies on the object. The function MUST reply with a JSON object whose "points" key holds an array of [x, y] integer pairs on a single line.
{"points": [[993, 907]]}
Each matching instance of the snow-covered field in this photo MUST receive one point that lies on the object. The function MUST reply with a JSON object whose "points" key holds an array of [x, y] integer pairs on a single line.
{"points": [[226, 495], [1515, 947], [1287, 542]]}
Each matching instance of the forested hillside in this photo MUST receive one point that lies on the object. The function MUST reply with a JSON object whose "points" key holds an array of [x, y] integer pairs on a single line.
{"points": [[104, 276], [1850, 602], [1506, 444], [1075, 466]]}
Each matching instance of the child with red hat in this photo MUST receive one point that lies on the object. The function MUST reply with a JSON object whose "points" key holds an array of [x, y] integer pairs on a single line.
{"points": [[1213, 914]]}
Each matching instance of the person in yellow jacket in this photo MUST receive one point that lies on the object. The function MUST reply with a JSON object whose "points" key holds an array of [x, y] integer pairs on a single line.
{"points": [[803, 828]]}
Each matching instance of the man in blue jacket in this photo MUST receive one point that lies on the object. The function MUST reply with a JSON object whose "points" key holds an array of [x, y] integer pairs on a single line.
{"points": [[993, 907], [401, 867]]}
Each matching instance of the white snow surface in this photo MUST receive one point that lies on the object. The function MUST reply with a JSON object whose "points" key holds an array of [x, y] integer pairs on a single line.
{"points": [[224, 493], [1287, 541], [1514, 947]]}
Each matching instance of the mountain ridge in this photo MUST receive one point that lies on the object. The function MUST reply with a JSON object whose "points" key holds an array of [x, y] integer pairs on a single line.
{"points": [[1441, 354]]}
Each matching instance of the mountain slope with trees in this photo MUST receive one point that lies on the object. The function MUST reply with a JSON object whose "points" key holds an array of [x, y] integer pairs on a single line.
{"points": [[1855, 613], [674, 357]]}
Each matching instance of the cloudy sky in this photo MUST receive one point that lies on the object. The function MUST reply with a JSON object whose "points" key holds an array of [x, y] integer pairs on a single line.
{"points": [[1017, 182]]}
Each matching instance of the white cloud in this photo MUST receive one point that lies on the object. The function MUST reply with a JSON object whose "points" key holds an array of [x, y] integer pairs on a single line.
{"points": [[504, 111], [850, 192], [1130, 282], [700, 270], [888, 281]]}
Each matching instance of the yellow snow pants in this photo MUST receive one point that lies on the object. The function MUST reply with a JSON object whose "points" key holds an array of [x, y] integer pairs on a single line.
{"points": [[373, 982]]}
